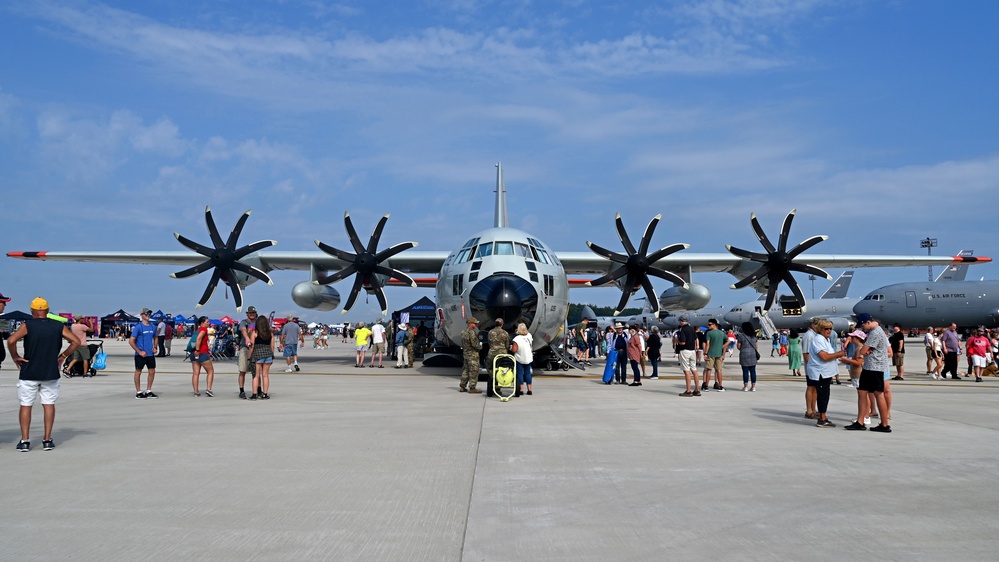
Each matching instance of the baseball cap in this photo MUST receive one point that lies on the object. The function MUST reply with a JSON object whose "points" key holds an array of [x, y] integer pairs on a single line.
{"points": [[250, 309], [3, 298], [858, 334], [39, 304], [863, 317], [684, 319], [145, 311], [473, 320]]}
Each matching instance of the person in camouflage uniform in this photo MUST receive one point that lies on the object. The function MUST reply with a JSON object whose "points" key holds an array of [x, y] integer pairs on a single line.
{"points": [[470, 347], [409, 346], [499, 343]]}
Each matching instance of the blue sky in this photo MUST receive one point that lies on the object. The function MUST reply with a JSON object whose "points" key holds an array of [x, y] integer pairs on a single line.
{"points": [[120, 121]]}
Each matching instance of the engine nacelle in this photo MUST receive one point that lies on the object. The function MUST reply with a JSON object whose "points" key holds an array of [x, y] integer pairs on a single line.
{"points": [[695, 297], [315, 297]]}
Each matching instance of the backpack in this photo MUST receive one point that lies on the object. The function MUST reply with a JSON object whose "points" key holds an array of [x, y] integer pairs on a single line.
{"points": [[191, 342]]}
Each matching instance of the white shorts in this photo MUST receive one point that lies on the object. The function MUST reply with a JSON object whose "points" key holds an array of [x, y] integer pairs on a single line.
{"points": [[688, 360], [977, 361], [28, 390]]}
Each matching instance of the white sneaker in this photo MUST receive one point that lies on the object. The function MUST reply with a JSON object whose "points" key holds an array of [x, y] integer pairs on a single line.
{"points": [[867, 421], [289, 370]]}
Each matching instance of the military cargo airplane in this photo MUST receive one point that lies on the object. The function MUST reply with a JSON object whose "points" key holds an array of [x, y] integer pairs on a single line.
{"points": [[500, 272], [915, 305]]}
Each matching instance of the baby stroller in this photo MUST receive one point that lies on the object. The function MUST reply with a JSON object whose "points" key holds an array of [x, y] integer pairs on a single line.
{"points": [[95, 347], [503, 382]]}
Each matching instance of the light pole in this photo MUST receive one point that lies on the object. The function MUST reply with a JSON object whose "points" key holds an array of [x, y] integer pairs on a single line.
{"points": [[929, 244], [812, 279]]}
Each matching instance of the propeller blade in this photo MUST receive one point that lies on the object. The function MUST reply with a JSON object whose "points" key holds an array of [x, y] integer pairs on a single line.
{"points": [[339, 254], [792, 284], [762, 236], [342, 274], [253, 272], [380, 295], [754, 256], [623, 235], [643, 247], [625, 295], [771, 296], [806, 245], [200, 268], [662, 253], [395, 274], [751, 278], [352, 234], [213, 231], [669, 276], [377, 234], [811, 270], [612, 256], [237, 293], [785, 230], [256, 246], [389, 252], [612, 276], [192, 245], [650, 294], [216, 275], [234, 235], [354, 291]]}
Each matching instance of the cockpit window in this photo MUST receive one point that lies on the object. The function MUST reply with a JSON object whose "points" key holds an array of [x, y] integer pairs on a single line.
{"points": [[543, 256], [504, 249], [462, 256], [471, 243], [874, 298], [522, 250], [484, 250]]}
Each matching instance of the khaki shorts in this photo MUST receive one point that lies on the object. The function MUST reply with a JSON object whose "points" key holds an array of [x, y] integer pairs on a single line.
{"points": [[377, 348], [688, 360], [898, 360], [929, 353], [244, 360], [715, 363], [82, 353]]}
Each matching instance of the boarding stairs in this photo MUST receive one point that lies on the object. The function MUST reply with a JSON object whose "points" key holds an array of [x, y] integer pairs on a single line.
{"points": [[767, 328]]}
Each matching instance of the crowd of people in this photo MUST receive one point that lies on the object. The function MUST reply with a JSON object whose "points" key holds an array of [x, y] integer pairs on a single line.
{"points": [[867, 350]]}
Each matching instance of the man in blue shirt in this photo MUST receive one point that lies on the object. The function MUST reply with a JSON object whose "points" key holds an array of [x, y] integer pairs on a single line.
{"points": [[144, 341]]}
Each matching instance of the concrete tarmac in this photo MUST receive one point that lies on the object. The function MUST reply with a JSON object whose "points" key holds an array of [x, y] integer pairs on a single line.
{"points": [[382, 464]]}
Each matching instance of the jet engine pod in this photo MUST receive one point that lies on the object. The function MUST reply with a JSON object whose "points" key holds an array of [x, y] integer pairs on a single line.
{"points": [[676, 298], [315, 297], [506, 296]]}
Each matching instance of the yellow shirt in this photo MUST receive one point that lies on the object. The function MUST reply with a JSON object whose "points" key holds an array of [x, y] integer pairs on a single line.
{"points": [[361, 336]]}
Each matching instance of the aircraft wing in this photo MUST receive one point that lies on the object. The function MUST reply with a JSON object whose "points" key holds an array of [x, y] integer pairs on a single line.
{"points": [[588, 263]]}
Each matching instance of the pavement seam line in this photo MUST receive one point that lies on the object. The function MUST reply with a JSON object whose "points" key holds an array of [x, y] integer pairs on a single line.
{"points": [[471, 487]]}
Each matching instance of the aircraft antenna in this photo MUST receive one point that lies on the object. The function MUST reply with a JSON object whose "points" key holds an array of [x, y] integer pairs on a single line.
{"points": [[501, 220]]}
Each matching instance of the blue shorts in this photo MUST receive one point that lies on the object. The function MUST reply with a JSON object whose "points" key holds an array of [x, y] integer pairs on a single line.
{"points": [[290, 350], [265, 361], [203, 358]]}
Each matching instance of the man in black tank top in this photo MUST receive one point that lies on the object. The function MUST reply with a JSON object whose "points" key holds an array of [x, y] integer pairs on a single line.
{"points": [[39, 367]]}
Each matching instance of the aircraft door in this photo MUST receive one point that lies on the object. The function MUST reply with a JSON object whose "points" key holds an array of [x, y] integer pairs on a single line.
{"points": [[910, 299]]}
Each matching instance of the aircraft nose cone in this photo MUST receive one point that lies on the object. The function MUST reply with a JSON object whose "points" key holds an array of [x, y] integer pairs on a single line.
{"points": [[505, 296]]}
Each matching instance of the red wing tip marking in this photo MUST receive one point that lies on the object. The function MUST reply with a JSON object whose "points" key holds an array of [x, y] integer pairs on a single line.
{"points": [[972, 259], [27, 255]]}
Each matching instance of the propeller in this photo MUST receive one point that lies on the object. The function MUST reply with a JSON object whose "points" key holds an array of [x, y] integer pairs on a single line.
{"points": [[636, 266], [224, 258], [365, 262], [778, 263]]}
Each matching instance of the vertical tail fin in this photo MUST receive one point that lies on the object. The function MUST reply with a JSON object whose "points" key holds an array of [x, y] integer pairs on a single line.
{"points": [[955, 272], [501, 220], [840, 286]]}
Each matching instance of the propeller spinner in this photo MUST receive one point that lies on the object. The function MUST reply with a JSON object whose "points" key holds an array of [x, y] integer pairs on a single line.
{"points": [[637, 265], [224, 258], [778, 263], [365, 262]]}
